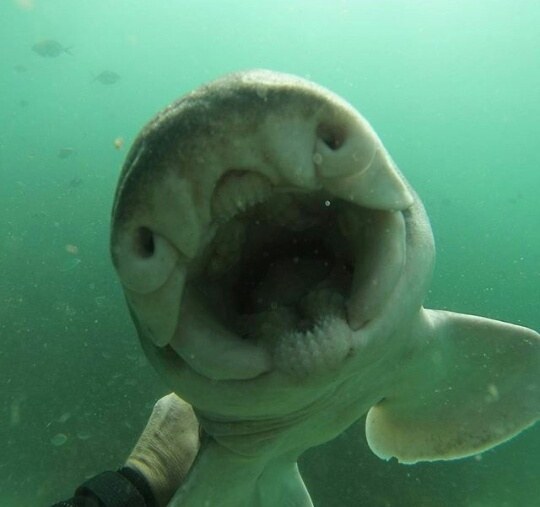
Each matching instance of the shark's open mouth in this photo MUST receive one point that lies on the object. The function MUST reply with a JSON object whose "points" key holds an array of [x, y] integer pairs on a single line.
{"points": [[290, 272], [258, 226]]}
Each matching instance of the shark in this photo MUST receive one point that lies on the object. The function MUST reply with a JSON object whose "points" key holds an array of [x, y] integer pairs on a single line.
{"points": [[275, 262]]}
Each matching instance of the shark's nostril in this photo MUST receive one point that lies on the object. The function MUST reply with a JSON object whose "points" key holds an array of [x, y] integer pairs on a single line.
{"points": [[144, 242], [144, 259], [331, 135]]}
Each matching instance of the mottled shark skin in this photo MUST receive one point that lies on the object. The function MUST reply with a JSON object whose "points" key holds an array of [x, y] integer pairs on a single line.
{"points": [[275, 261]]}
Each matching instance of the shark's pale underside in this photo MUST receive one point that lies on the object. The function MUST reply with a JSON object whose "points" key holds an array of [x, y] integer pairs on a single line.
{"points": [[275, 261]]}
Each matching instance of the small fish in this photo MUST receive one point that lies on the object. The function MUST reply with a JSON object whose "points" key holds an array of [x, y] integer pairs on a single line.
{"points": [[107, 77], [64, 153], [50, 48], [19, 69]]}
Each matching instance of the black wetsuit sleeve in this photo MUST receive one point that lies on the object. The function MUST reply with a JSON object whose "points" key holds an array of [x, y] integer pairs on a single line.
{"points": [[124, 488]]}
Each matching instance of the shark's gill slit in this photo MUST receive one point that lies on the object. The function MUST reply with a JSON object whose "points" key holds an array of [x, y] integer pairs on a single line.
{"points": [[237, 190]]}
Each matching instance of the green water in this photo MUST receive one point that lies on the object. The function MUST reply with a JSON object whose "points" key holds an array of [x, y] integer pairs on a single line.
{"points": [[452, 88]]}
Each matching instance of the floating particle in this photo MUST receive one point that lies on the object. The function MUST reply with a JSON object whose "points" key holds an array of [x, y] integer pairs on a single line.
{"points": [[100, 300], [59, 439], [15, 413], [69, 264], [64, 153], [118, 143], [493, 393], [27, 5], [64, 417], [75, 182], [72, 249]]}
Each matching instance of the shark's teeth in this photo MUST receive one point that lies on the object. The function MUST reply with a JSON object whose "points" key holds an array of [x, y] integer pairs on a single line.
{"points": [[323, 302], [286, 210], [227, 248], [380, 246], [297, 351], [322, 350], [237, 191], [266, 325]]}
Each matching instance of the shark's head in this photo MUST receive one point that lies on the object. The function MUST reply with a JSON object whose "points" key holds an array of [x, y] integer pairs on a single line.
{"points": [[274, 261], [264, 238]]}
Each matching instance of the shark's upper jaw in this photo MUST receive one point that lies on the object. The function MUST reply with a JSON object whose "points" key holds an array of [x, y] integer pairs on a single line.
{"points": [[287, 265]]}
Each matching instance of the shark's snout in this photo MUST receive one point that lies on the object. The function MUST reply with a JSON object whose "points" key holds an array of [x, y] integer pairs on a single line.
{"points": [[353, 165]]}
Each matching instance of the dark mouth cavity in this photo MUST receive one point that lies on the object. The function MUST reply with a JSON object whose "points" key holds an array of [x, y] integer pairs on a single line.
{"points": [[303, 255], [268, 259]]}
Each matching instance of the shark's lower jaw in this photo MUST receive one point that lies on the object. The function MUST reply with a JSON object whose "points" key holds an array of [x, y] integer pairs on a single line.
{"points": [[285, 281]]}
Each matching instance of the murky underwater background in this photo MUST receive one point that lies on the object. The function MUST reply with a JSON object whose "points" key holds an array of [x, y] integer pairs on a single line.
{"points": [[453, 89]]}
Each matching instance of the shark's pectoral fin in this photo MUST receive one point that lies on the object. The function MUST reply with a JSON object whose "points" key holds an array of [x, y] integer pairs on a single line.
{"points": [[475, 384]]}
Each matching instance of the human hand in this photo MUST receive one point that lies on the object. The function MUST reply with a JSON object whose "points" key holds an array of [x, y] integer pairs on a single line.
{"points": [[167, 447]]}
